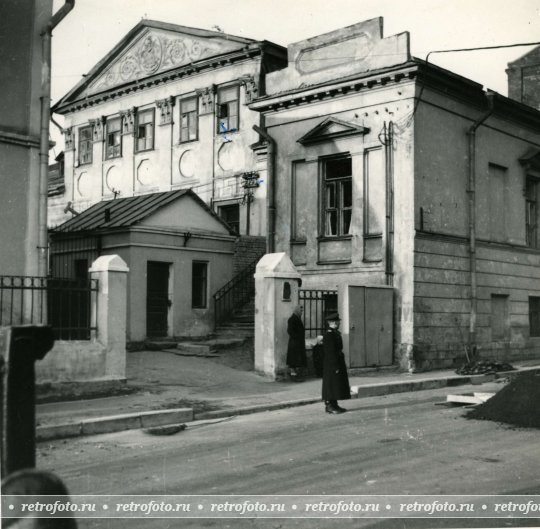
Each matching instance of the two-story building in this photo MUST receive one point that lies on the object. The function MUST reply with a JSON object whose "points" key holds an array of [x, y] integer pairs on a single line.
{"points": [[166, 109], [413, 193]]}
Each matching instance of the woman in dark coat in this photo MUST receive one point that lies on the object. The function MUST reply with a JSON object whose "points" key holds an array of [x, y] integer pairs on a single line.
{"points": [[296, 350], [335, 383]]}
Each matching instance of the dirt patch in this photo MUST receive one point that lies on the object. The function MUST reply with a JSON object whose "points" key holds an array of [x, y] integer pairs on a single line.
{"points": [[518, 403], [241, 357]]}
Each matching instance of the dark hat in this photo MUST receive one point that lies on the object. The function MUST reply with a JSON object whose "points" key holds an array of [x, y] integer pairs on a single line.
{"points": [[334, 316]]}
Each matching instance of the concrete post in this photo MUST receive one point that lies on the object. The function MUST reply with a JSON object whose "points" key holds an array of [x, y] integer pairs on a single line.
{"points": [[276, 293], [111, 305]]}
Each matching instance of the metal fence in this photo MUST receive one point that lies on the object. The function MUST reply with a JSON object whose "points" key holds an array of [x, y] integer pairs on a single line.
{"points": [[317, 305], [65, 304]]}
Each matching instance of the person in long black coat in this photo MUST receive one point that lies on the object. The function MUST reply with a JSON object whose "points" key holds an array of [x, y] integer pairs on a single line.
{"points": [[296, 349], [335, 381]]}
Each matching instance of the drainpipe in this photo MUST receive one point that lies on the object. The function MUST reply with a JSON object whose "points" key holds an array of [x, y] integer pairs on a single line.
{"points": [[270, 190], [46, 36], [471, 133]]}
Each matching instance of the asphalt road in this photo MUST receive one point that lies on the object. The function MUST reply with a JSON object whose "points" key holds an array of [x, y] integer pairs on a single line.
{"points": [[398, 444]]}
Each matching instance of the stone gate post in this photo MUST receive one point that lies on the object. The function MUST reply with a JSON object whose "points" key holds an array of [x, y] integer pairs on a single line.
{"points": [[276, 293]]}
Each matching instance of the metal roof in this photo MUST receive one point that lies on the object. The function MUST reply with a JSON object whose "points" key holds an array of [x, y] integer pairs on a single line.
{"points": [[125, 212]]}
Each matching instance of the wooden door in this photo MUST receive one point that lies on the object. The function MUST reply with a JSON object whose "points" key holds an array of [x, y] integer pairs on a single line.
{"points": [[370, 326], [157, 299]]}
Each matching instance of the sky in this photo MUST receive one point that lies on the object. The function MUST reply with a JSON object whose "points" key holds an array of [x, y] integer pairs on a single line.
{"points": [[94, 27]]}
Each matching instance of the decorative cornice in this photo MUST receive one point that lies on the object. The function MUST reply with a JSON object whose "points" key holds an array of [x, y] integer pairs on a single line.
{"points": [[337, 88]]}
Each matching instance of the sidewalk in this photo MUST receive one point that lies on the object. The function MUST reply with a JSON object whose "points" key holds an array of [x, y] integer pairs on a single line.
{"points": [[171, 389]]}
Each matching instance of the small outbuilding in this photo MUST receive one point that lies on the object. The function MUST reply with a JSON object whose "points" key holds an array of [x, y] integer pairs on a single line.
{"points": [[179, 252]]}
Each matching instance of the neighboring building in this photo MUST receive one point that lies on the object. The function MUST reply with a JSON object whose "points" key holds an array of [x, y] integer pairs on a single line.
{"points": [[394, 175], [524, 79], [167, 109], [21, 67], [178, 252]]}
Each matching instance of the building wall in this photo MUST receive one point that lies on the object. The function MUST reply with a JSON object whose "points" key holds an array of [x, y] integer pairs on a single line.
{"points": [[505, 266], [523, 79], [140, 247], [212, 165], [20, 70], [372, 108]]}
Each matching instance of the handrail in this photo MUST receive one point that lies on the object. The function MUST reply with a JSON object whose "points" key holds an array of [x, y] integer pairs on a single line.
{"points": [[235, 292]]}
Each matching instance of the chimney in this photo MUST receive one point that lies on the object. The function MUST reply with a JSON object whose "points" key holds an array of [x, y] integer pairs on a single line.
{"points": [[524, 79]]}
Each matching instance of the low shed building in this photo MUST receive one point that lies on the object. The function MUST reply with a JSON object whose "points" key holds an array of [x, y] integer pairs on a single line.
{"points": [[178, 251]]}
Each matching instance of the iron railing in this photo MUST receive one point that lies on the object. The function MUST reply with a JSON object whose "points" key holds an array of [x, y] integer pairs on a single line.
{"points": [[317, 304], [65, 304], [237, 292]]}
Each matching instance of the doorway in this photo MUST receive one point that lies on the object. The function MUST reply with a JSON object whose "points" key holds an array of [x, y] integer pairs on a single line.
{"points": [[157, 299], [370, 326]]}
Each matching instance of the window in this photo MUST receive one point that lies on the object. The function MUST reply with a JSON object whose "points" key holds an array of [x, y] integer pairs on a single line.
{"points": [[145, 130], [227, 109], [113, 138], [337, 196], [534, 316], [231, 215], [199, 284], [531, 212], [85, 145], [189, 119]]}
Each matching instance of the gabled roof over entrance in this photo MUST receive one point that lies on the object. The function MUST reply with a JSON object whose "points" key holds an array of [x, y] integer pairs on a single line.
{"points": [[127, 212], [151, 48], [330, 129]]}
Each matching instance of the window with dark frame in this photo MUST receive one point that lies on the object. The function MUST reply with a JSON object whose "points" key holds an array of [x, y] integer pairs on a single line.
{"points": [[228, 109], [144, 140], [337, 196], [199, 284], [531, 212], [231, 215], [85, 145], [534, 316], [189, 119], [113, 138]]}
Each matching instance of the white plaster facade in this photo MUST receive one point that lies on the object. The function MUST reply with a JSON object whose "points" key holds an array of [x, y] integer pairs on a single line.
{"points": [[162, 68]]}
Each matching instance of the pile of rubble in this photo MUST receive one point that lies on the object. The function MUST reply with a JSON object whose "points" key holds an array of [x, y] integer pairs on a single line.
{"points": [[518, 403], [483, 367]]}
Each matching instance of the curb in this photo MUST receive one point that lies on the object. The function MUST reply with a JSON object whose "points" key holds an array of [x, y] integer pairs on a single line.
{"points": [[135, 421]]}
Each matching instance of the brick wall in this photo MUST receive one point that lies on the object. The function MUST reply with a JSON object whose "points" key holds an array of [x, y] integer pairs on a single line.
{"points": [[246, 250], [524, 79]]}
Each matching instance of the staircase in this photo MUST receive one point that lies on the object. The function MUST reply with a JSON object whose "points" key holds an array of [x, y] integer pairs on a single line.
{"points": [[240, 323]]}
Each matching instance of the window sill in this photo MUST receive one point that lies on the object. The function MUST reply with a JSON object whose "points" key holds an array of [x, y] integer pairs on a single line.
{"points": [[188, 141], [112, 158], [298, 241], [334, 237], [144, 150]]}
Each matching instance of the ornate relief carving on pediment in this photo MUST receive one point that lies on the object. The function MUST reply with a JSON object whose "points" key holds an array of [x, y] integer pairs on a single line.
{"points": [[157, 51]]}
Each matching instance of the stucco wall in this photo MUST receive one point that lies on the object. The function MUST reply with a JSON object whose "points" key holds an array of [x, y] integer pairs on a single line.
{"points": [[372, 109], [138, 248], [505, 266], [211, 165]]}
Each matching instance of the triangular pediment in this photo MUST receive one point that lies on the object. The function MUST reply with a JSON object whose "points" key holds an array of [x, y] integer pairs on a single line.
{"points": [[330, 129], [151, 48]]}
